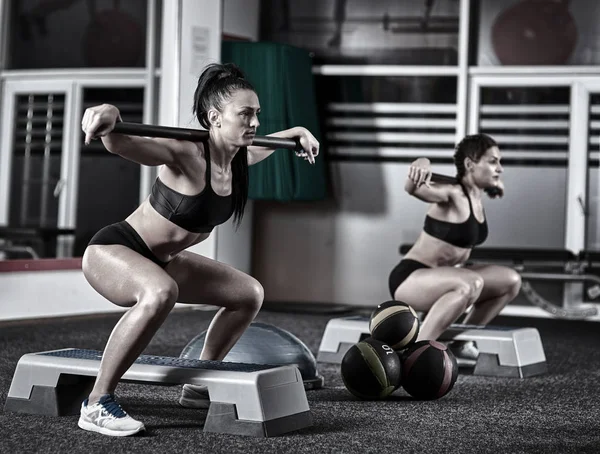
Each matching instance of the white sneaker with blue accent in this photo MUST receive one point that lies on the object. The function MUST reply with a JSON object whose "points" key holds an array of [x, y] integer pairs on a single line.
{"points": [[194, 396], [108, 418]]}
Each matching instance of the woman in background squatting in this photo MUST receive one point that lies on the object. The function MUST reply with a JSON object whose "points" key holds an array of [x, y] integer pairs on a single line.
{"points": [[142, 262], [432, 277]]}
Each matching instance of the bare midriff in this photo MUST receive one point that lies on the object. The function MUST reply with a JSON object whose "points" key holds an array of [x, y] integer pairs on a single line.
{"points": [[434, 252], [162, 237]]}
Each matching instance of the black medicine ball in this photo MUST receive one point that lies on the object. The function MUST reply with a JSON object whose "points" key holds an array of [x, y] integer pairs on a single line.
{"points": [[429, 370], [371, 369], [394, 323]]}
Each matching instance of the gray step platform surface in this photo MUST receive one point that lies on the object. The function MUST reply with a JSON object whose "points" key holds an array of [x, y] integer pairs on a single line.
{"points": [[503, 351], [246, 399]]}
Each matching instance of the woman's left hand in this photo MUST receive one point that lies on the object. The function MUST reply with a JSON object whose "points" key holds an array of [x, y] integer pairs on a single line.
{"points": [[310, 145]]}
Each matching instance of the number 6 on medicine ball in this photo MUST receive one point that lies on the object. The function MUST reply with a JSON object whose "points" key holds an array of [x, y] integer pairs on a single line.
{"points": [[371, 369], [394, 323]]}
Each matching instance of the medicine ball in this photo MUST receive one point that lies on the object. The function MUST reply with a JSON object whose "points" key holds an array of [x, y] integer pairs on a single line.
{"points": [[394, 323], [429, 370], [371, 369]]}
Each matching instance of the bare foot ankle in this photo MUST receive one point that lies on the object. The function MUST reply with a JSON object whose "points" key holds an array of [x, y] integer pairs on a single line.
{"points": [[94, 398]]}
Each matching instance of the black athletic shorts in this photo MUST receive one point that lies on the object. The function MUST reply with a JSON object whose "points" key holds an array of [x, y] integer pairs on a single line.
{"points": [[401, 272], [123, 233]]}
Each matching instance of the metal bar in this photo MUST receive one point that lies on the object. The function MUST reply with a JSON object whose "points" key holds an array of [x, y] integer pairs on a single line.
{"points": [[391, 107], [560, 277], [532, 139], [148, 173], [527, 124], [5, 13], [80, 74], [577, 170], [46, 163], [197, 135], [400, 152], [475, 107], [391, 137], [385, 70], [69, 157], [385, 122], [462, 81], [26, 249], [536, 73], [385, 18], [514, 109], [27, 163], [519, 266], [439, 178]]}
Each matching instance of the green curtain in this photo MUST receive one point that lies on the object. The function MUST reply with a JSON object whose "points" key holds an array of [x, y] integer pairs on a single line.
{"points": [[282, 76]]}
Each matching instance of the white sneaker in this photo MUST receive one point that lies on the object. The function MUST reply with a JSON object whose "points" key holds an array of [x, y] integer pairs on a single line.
{"points": [[108, 418], [194, 396]]}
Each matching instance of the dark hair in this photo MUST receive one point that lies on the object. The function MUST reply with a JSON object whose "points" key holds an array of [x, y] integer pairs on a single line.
{"points": [[216, 85], [473, 147]]}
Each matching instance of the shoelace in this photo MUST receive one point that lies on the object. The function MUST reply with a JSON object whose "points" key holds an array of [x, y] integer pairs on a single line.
{"points": [[112, 407]]}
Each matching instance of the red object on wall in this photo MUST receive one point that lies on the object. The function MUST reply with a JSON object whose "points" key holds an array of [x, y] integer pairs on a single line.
{"points": [[40, 265], [535, 32]]}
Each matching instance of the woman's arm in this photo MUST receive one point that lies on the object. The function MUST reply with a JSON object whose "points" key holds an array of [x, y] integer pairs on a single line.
{"points": [[418, 183], [309, 144], [99, 121], [147, 151]]}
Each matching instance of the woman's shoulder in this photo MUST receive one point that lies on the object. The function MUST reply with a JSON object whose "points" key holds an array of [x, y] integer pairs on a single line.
{"points": [[181, 147], [454, 190], [192, 157]]}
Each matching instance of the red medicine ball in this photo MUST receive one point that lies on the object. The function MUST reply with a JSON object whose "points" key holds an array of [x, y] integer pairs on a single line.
{"points": [[429, 370]]}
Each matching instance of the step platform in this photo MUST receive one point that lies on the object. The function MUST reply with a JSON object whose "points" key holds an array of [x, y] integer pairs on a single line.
{"points": [[503, 351], [246, 399]]}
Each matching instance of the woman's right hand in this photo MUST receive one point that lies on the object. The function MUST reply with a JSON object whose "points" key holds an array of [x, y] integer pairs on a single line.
{"points": [[419, 172], [99, 121]]}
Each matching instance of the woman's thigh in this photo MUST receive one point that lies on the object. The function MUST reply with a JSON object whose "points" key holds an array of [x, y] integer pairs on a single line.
{"points": [[497, 280], [425, 286], [205, 281], [122, 275]]}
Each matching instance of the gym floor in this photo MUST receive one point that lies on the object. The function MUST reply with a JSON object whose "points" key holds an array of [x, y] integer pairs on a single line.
{"points": [[555, 412]]}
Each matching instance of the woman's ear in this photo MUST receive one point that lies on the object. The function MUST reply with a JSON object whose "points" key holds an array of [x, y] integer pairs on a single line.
{"points": [[214, 118], [469, 164]]}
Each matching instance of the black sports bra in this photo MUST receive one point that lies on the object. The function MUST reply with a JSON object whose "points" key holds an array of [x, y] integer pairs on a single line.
{"points": [[198, 213], [464, 235]]}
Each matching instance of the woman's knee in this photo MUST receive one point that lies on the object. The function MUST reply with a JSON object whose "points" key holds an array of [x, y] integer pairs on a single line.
{"points": [[513, 282], [248, 296], [255, 295], [88, 263], [159, 298], [470, 286]]}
